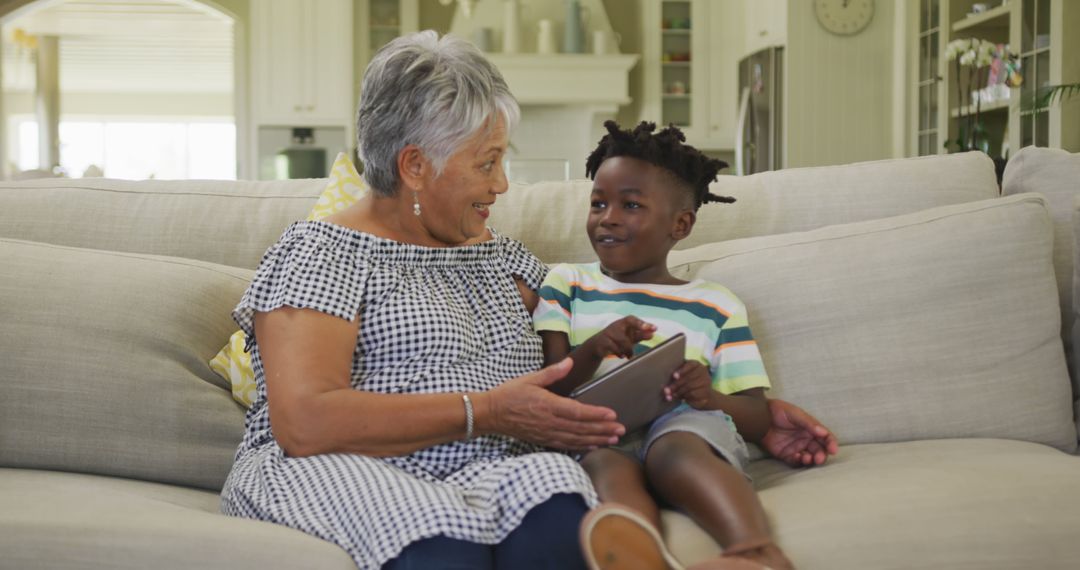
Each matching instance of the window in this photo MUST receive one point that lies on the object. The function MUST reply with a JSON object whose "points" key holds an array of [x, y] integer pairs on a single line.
{"points": [[929, 36], [135, 149]]}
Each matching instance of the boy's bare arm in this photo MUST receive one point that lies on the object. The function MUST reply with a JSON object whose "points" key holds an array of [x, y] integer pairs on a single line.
{"points": [[556, 348], [528, 296], [749, 410]]}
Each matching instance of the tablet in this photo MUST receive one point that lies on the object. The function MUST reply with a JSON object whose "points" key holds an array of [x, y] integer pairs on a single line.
{"points": [[635, 390]]}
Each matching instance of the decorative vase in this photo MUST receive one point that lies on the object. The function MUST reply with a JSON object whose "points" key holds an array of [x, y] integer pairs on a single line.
{"points": [[982, 139], [511, 26], [599, 42], [545, 37], [573, 38]]}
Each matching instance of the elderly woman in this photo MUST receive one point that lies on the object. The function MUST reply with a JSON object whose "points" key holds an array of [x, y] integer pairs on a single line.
{"points": [[400, 412]]}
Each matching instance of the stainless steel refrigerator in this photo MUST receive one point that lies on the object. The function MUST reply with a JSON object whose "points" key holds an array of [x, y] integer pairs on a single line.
{"points": [[759, 136]]}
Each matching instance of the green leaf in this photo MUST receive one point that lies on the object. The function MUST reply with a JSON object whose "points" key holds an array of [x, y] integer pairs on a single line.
{"points": [[1050, 93]]}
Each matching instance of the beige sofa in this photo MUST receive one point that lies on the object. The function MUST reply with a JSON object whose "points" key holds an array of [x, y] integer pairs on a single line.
{"points": [[904, 302]]}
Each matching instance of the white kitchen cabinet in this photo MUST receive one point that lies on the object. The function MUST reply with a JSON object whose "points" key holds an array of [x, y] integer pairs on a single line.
{"points": [[381, 21], [1034, 30], [302, 62], [690, 55], [765, 24]]}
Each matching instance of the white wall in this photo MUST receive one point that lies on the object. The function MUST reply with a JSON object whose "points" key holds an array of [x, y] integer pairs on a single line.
{"points": [[839, 89]]}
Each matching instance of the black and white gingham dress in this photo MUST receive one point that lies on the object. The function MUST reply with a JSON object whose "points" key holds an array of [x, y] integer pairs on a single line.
{"points": [[431, 320]]}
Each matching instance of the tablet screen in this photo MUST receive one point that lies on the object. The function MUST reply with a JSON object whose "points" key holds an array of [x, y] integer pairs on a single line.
{"points": [[635, 390]]}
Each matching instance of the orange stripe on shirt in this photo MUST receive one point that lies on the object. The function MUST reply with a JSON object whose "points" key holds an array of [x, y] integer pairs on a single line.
{"points": [[731, 344], [556, 304]]}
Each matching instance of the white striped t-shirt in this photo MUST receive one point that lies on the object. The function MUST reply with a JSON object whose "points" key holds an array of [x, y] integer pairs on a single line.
{"points": [[579, 300]]}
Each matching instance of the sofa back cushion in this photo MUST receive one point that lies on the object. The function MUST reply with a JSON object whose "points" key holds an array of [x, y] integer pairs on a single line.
{"points": [[105, 363], [549, 217], [220, 221], [1055, 174], [1072, 348], [233, 222], [938, 324]]}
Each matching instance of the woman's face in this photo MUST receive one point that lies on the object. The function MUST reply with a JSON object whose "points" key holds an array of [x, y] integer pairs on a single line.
{"points": [[454, 206]]}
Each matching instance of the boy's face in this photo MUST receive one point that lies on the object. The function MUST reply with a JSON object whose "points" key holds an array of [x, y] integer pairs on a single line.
{"points": [[635, 218]]}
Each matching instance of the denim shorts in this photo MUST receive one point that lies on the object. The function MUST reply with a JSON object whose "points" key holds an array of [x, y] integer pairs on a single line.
{"points": [[713, 426]]}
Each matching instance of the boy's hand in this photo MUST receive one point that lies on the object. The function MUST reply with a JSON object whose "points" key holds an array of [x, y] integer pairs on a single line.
{"points": [[796, 437], [692, 383], [620, 337]]}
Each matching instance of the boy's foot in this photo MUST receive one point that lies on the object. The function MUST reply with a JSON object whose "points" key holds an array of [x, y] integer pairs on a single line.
{"points": [[615, 537], [728, 564], [765, 553]]}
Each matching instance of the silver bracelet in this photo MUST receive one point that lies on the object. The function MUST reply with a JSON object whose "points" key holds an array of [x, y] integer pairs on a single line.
{"points": [[468, 417]]}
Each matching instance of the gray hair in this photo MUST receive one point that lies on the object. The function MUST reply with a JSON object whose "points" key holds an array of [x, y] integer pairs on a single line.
{"points": [[427, 91]]}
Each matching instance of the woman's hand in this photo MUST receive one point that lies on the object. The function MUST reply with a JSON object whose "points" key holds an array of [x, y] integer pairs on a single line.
{"points": [[796, 437], [525, 409], [691, 383]]}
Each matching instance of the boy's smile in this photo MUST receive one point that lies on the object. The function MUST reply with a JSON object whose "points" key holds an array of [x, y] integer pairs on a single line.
{"points": [[635, 218]]}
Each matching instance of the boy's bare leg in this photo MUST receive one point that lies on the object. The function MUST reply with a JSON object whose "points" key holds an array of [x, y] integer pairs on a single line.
{"points": [[686, 472], [620, 479]]}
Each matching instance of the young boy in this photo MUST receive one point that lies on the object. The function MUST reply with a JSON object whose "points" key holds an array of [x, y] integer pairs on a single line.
{"points": [[646, 192]]}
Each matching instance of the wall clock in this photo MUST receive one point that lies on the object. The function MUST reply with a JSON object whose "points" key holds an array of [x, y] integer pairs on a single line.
{"points": [[844, 17]]}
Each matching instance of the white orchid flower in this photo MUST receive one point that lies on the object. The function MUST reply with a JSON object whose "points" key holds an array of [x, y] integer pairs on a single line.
{"points": [[984, 53], [955, 47]]}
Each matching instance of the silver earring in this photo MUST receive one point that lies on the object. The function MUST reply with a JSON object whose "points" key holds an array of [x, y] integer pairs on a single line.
{"points": [[416, 203]]}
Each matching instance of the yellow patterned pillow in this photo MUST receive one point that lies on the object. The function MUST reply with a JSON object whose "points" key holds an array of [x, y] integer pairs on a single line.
{"points": [[232, 363], [344, 188]]}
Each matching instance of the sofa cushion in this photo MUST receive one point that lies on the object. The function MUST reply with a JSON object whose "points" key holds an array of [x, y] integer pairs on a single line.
{"points": [[105, 363], [65, 520], [222, 221], [938, 324], [1073, 346], [972, 503], [1053, 173], [549, 217]]}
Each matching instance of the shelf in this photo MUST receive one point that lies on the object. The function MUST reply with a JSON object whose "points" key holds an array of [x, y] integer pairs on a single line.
{"points": [[677, 96], [675, 63], [1036, 51], [992, 107], [676, 31], [979, 19]]}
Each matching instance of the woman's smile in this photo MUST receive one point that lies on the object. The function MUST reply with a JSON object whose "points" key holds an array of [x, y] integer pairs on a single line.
{"points": [[482, 208]]}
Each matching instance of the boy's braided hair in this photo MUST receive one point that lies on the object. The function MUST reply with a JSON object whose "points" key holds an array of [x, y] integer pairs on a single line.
{"points": [[666, 149]]}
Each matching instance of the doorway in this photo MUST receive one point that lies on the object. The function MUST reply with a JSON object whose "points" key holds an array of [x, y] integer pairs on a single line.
{"points": [[146, 89]]}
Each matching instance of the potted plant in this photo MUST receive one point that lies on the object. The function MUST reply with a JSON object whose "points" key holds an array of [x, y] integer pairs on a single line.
{"points": [[990, 71]]}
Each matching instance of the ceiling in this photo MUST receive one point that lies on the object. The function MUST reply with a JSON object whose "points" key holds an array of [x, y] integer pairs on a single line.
{"points": [[125, 46]]}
